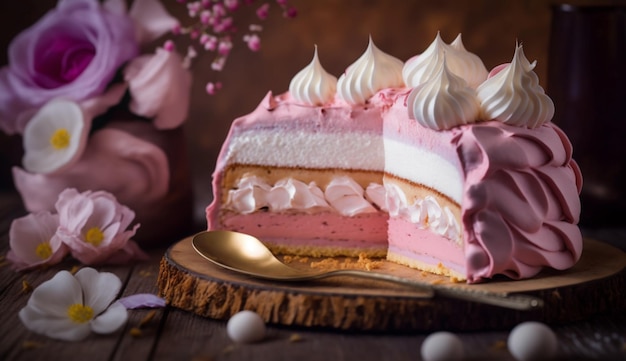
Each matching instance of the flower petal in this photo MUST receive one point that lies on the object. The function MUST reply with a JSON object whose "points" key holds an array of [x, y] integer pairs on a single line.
{"points": [[39, 155], [111, 320], [58, 328], [160, 88], [99, 288], [151, 19], [56, 295], [74, 210], [141, 300], [28, 233]]}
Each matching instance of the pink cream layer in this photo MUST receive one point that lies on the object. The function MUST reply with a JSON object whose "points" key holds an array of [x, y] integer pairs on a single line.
{"points": [[318, 229], [424, 246]]}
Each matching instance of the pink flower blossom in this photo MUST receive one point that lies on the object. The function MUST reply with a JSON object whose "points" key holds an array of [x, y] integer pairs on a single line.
{"points": [[254, 42], [160, 88], [263, 11], [72, 52], [94, 225], [33, 241]]}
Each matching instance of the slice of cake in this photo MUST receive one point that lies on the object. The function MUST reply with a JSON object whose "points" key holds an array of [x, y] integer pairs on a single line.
{"points": [[432, 163]]}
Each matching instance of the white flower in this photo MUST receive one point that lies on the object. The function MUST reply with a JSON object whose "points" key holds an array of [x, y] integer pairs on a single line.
{"points": [[68, 307], [55, 137]]}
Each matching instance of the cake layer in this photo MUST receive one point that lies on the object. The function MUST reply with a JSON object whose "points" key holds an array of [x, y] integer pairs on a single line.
{"points": [[318, 234], [417, 247]]}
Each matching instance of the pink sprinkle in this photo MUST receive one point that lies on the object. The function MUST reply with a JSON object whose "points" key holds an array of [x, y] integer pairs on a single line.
{"points": [[224, 25], [176, 30], [211, 43], [205, 17], [224, 47], [255, 27], [194, 34], [281, 2], [218, 64], [291, 13], [212, 88], [206, 4], [231, 5], [169, 45], [263, 11], [254, 42], [219, 10]]}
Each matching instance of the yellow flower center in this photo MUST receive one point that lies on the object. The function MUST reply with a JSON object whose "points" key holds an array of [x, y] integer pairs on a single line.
{"points": [[60, 139], [80, 313], [94, 236], [43, 250]]}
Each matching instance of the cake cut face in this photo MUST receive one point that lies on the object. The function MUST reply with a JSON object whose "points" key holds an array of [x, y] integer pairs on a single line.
{"points": [[432, 163]]}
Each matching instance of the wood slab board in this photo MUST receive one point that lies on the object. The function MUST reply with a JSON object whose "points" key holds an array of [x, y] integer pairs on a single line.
{"points": [[189, 282]]}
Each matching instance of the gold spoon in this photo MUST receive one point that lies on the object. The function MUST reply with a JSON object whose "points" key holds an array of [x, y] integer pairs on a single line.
{"points": [[248, 255]]}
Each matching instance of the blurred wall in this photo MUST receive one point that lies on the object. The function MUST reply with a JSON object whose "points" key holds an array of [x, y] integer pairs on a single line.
{"points": [[340, 29]]}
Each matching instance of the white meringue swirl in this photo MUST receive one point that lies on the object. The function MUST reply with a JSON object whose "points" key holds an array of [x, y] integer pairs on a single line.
{"points": [[444, 101], [514, 96], [420, 68], [373, 71], [313, 85]]}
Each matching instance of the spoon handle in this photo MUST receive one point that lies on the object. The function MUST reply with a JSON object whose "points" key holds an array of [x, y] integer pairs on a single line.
{"points": [[516, 302]]}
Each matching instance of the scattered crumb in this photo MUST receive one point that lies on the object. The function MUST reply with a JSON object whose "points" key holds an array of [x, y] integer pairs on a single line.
{"points": [[228, 349], [31, 345], [74, 269], [3, 261], [26, 287], [500, 344], [438, 281], [295, 337], [145, 273], [202, 358], [455, 279], [135, 332], [293, 258], [147, 318]]}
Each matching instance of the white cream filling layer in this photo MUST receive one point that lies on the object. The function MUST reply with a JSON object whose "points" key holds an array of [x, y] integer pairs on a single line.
{"points": [[344, 196], [307, 149], [424, 167]]}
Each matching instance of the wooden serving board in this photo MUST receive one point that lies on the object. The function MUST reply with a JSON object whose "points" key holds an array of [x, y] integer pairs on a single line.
{"points": [[189, 282]]}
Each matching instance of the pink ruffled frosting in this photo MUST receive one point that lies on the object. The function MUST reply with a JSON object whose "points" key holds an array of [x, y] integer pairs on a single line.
{"points": [[521, 203]]}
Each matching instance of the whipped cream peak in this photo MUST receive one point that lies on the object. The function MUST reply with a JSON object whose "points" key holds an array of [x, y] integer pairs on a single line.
{"points": [[313, 85], [514, 96], [373, 71], [444, 101], [461, 62]]}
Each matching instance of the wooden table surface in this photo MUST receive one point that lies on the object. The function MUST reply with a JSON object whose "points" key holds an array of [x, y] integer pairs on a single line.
{"points": [[173, 334]]}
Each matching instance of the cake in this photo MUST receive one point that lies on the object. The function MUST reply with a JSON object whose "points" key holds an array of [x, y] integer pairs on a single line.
{"points": [[434, 163]]}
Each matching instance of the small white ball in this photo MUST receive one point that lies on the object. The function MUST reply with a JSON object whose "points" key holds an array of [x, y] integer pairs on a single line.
{"points": [[245, 327], [532, 341], [442, 346]]}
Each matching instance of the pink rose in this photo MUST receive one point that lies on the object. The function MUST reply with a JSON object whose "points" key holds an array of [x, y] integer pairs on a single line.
{"points": [[73, 52], [160, 88], [94, 227]]}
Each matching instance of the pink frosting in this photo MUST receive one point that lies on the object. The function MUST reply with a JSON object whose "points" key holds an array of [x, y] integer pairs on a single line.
{"points": [[521, 203]]}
